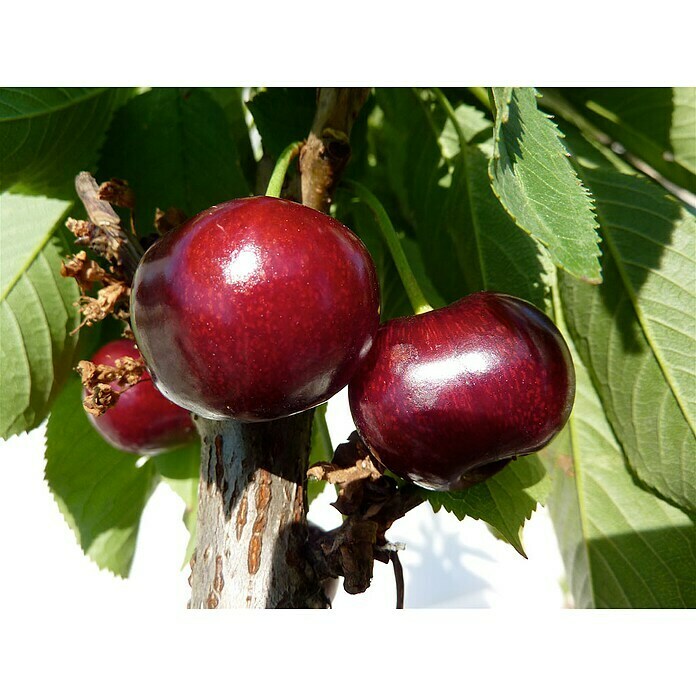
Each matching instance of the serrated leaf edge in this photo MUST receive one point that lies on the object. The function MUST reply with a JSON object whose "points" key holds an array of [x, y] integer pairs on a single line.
{"points": [[583, 188], [72, 525]]}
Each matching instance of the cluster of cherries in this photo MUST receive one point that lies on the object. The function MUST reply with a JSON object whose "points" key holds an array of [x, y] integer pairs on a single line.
{"points": [[261, 308]]}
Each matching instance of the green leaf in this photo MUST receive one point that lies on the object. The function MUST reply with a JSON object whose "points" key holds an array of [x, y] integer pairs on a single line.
{"points": [[408, 149], [174, 148], [321, 450], [100, 490], [504, 501], [179, 469], [467, 240], [473, 124], [637, 332], [232, 102], [314, 488], [658, 124], [36, 311], [493, 254], [283, 115], [49, 134], [535, 182], [321, 446], [622, 546]]}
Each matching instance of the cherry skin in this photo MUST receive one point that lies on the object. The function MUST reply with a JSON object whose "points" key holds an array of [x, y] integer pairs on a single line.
{"points": [[255, 309], [142, 421], [447, 398]]}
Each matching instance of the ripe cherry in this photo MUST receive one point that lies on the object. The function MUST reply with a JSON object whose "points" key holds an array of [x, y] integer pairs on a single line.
{"points": [[255, 309], [142, 421], [448, 397]]}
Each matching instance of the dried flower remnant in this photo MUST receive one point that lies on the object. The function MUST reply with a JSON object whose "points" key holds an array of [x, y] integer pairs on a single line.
{"points": [[168, 220], [371, 503], [98, 381]]}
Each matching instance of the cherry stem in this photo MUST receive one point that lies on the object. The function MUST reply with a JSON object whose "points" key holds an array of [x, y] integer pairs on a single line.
{"points": [[275, 184], [399, 578], [445, 104], [415, 294], [481, 93]]}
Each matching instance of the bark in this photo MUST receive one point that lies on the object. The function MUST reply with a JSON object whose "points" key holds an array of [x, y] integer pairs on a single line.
{"points": [[252, 532], [252, 548], [117, 245], [327, 151]]}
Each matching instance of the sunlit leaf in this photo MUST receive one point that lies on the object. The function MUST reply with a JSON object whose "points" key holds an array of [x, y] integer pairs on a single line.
{"points": [[533, 178], [100, 490], [637, 332], [37, 313]]}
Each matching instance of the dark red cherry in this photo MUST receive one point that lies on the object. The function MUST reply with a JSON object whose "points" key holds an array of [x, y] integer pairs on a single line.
{"points": [[448, 397], [142, 421], [255, 309]]}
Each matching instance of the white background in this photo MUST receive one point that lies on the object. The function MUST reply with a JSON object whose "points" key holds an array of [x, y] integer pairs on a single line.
{"points": [[68, 628], [447, 563]]}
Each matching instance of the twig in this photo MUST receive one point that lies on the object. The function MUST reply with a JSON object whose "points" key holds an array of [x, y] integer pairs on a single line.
{"points": [[327, 150], [399, 578], [120, 247], [371, 502]]}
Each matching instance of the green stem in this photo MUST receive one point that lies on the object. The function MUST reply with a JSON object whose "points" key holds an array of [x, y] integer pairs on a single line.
{"points": [[466, 163], [445, 104], [481, 93], [275, 185], [415, 294], [553, 100]]}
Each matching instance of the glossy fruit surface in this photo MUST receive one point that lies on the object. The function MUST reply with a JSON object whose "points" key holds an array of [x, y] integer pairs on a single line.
{"points": [[255, 309], [142, 420], [450, 396]]}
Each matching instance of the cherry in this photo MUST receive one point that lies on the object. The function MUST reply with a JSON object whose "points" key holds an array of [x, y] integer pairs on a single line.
{"points": [[447, 398], [142, 420], [255, 309]]}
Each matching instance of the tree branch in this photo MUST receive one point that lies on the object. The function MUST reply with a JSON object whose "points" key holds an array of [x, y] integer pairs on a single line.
{"points": [[252, 529], [119, 247], [327, 150]]}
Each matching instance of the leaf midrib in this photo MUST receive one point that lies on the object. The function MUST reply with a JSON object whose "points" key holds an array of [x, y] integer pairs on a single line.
{"points": [[640, 316], [575, 453], [55, 109], [31, 258]]}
